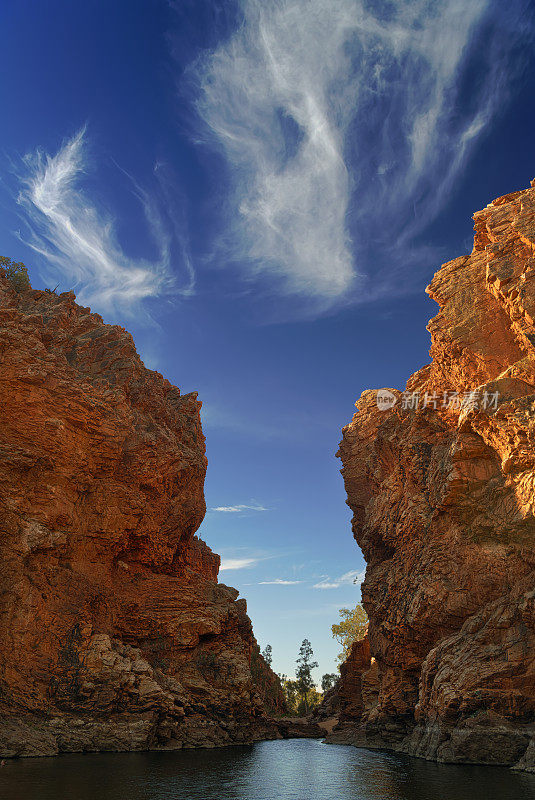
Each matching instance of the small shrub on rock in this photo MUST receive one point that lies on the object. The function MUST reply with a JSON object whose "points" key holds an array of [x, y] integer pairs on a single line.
{"points": [[16, 273]]}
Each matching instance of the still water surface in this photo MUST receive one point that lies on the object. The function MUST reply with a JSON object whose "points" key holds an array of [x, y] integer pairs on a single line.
{"points": [[296, 769]]}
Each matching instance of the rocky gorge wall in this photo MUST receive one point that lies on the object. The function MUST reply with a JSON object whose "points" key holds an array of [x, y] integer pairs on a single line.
{"points": [[441, 482], [114, 632]]}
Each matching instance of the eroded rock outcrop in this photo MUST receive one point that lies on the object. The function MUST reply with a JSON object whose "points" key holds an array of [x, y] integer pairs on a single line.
{"points": [[114, 633], [441, 481]]}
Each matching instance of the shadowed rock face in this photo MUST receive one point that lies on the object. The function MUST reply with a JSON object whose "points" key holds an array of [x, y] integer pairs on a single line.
{"points": [[443, 497], [114, 633]]}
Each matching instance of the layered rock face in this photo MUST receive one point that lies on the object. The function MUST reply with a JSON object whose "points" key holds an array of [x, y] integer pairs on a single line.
{"points": [[441, 481], [114, 633]]}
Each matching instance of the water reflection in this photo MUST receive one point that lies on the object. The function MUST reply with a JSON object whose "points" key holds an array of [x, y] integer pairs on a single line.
{"points": [[298, 769]]}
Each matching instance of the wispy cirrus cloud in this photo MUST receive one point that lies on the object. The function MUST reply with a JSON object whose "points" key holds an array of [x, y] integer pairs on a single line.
{"points": [[345, 124], [239, 509], [279, 582], [238, 563], [78, 239], [348, 578]]}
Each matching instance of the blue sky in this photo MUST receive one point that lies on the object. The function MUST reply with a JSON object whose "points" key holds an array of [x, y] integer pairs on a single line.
{"points": [[260, 192]]}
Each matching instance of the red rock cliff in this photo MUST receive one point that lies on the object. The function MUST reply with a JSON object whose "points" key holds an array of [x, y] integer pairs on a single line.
{"points": [[443, 496], [114, 633]]}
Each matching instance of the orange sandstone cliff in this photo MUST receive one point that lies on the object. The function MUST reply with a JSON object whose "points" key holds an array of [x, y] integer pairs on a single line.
{"points": [[114, 632], [441, 482]]}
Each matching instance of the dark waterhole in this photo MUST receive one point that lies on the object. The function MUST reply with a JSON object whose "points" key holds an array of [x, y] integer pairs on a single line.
{"points": [[297, 769]]}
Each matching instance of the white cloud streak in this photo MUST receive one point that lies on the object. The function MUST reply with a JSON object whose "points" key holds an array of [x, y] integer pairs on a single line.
{"points": [[237, 563], [279, 582], [348, 578], [349, 117], [79, 240], [238, 509]]}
